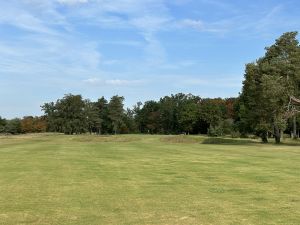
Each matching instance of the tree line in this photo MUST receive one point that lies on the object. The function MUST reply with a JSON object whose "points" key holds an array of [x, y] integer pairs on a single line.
{"points": [[262, 108], [173, 114], [27, 124]]}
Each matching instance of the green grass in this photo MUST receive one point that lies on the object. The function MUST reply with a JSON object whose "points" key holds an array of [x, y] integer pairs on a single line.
{"points": [[136, 179]]}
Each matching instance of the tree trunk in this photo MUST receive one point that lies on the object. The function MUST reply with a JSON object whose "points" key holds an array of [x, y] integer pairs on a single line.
{"points": [[277, 134], [264, 137], [294, 127]]}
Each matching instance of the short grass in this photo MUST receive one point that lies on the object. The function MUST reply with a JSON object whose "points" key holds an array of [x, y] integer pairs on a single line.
{"points": [[135, 179]]}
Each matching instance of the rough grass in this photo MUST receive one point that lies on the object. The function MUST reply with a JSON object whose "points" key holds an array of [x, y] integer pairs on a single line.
{"points": [[136, 179], [188, 139], [229, 141]]}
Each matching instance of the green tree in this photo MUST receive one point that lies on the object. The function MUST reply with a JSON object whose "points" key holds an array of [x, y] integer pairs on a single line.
{"points": [[67, 115], [2, 124], [102, 108], [93, 120], [169, 107], [129, 124], [188, 113], [212, 111], [137, 115], [116, 112], [13, 126], [53, 117], [150, 117], [269, 82]]}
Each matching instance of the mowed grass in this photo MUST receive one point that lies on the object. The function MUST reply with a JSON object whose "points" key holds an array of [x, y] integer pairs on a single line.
{"points": [[144, 179]]}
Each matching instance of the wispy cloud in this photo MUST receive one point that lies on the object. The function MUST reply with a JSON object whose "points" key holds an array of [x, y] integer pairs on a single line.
{"points": [[25, 21], [112, 82], [201, 26], [54, 46], [196, 24], [72, 2]]}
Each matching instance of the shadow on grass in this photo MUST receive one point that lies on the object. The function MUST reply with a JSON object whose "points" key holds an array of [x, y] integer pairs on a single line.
{"points": [[228, 141], [290, 143], [237, 141]]}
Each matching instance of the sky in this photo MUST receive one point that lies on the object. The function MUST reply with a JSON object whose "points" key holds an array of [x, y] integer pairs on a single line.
{"points": [[139, 49]]}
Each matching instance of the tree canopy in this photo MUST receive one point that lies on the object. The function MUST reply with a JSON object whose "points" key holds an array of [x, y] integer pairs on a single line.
{"points": [[269, 84]]}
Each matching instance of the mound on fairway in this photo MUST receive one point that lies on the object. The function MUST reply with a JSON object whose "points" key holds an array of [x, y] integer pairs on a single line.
{"points": [[136, 179]]}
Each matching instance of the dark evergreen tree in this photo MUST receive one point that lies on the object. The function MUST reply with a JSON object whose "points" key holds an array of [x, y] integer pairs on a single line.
{"points": [[105, 123], [116, 112]]}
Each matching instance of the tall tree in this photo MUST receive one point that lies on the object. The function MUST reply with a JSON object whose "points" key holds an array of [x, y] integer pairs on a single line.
{"points": [[102, 108], [52, 117], [212, 111], [188, 113], [116, 112], [71, 109], [150, 117], [93, 120], [138, 116], [67, 115], [269, 82]]}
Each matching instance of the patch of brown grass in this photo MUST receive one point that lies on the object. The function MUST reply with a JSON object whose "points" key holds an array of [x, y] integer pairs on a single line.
{"points": [[181, 139], [106, 138]]}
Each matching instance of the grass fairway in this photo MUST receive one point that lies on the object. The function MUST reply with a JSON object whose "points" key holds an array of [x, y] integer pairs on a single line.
{"points": [[135, 179]]}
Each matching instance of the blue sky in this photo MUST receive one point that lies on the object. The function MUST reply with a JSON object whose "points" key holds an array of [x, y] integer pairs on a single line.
{"points": [[141, 49]]}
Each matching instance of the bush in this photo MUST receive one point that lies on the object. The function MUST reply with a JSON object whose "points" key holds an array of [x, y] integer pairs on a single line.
{"points": [[224, 127], [235, 134], [214, 131], [13, 126]]}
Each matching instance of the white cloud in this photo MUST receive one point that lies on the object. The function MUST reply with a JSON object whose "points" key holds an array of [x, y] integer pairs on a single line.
{"points": [[150, 23], [196, 24], [119, 82], [25, 21], [202, 26], [72, 2], [155, 52], [112, 82], [52, 56]]}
